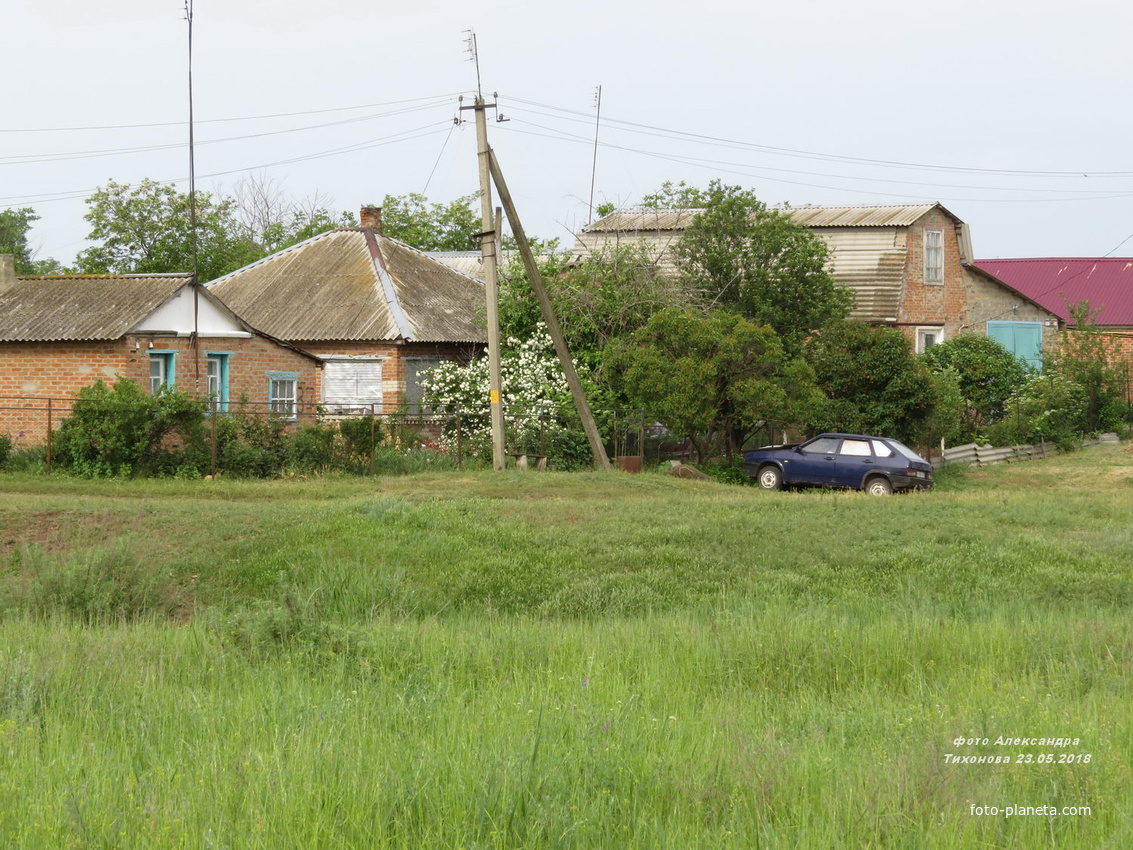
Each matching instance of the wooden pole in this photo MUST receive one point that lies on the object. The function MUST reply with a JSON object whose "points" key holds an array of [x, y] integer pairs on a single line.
{"points": [[576, 390], [491, 287]]}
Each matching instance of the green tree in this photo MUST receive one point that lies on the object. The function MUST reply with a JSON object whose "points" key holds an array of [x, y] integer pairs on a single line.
{"points": [[1093, 360], [15, 227], [606, 295], [743, 256], [146, 229], [715, 379], [426, 226], [988, 374], [873, 381]]}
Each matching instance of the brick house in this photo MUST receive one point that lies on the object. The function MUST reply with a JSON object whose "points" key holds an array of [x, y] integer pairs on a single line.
{"points": [[909, 267], [61, 333], [377, 311], [1056, 282]]}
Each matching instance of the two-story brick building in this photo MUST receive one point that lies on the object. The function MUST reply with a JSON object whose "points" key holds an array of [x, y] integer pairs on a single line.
{"points": [[909, 266]]}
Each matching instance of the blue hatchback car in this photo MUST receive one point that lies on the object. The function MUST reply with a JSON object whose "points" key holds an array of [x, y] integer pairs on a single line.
{"points": [[878, 465]]}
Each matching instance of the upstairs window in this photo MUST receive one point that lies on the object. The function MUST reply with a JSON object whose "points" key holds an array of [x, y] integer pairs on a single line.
{"points": [[928, 337], [934, 256]]}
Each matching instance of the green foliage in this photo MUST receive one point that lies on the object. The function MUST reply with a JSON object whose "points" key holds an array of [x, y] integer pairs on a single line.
{"points": [[146, 228], [116, 431], [360, 437], [713, 379], [251, 444], [454, 226], [988, 374], [15, 228], [1048, 408], [743, 256], [873, 381], [313, 448], [947, 411], [609, 294], [538, 406], [5, 449], [1092, 359], [298, 225]]}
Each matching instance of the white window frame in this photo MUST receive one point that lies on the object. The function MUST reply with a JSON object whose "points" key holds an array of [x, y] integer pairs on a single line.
{"points": [[281, 403], [934, 256], [936, 330]]}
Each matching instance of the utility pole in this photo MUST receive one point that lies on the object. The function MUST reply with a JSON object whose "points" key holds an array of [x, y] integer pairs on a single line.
{"points": [[594, 164], [579, 394], [488, 242]]}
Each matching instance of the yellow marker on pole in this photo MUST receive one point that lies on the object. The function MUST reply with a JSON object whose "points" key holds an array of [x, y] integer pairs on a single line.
{"points": [[494, 396]]}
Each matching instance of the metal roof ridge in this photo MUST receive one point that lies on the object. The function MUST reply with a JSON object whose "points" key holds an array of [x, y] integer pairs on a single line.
{"points": [[386, 281]]}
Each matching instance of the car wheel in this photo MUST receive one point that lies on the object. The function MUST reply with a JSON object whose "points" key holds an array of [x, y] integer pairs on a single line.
{"points": [[878, 486], [770, 478]]}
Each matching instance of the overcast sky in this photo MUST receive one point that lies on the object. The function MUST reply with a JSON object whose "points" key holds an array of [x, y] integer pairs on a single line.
{"points": [[1014, 115]]}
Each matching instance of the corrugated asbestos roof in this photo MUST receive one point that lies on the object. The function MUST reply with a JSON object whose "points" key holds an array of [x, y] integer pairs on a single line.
{"points": [[888, 215], [81, 307], [355, 285], [1106, 282]]}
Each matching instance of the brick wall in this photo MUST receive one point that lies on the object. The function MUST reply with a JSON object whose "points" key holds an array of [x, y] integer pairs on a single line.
{"points": [[943, 304], [393, 364], [32, 372]]}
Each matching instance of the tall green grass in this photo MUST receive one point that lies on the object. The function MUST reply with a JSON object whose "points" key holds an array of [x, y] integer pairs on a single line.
{"points": [[527, 660]]}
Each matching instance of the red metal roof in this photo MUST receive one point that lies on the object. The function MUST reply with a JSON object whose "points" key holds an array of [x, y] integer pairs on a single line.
{"points": [[1106, 282]]}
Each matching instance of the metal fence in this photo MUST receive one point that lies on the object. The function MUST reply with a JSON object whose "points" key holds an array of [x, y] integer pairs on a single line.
{"points": [[532, 435]]}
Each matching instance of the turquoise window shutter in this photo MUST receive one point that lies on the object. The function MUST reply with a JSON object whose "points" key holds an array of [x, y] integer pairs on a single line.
{"points": [[1023, 339]]}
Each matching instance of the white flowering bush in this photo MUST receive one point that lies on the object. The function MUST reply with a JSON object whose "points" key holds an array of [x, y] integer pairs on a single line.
{"points": [[539, 413]]}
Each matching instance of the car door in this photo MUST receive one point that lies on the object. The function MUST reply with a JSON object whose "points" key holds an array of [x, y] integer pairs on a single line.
{"points": [[812, 462], [853, 462]]}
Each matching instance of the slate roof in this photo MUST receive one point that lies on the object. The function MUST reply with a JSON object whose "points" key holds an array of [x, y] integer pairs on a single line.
{"points": [[353, 284], [884, 215], [81, 307], [1106, 282]]}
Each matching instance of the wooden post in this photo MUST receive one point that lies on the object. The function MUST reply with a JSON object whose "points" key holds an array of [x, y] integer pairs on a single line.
{"points": [[212, 440], [459, 445], [49, 428], [373, 436], [569, 372]]}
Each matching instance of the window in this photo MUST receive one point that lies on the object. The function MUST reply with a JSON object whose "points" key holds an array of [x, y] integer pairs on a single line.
{"points": [[934, 256], [218, 378], [1023, 339], [415, 369], [283, 393], [855, 448], [881, 450], [352, 384], [161, 371], [822, 446], [928, 337]]}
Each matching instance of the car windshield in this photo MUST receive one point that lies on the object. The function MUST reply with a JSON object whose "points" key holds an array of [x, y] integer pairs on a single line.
{"points": [[906, 451]]}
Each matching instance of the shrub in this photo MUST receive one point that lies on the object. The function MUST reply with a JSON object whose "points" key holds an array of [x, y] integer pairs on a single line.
{"points": [[251, 445], [359, 438], [313, 448], [120, 430], [5, 449], [1047, 408]]}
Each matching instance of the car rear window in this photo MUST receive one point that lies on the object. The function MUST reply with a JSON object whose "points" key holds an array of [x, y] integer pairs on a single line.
{"points": [[906, 451], [880, 449]]}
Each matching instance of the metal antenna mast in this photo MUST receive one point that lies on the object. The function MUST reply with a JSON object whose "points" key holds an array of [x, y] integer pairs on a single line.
{"points": [[193, 207], [594, 164]]}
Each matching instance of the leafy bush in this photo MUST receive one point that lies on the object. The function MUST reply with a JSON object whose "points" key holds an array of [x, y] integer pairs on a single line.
{"points": [[5, 449], [360, 437], [313, 448], [251, 445], [117, 431], [1050, 408], [988, 374]]}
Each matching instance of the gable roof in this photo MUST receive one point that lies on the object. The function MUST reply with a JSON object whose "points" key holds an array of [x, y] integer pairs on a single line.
{"points": [[873, 215], [353, 284], [1106, 282], [82, 307]]}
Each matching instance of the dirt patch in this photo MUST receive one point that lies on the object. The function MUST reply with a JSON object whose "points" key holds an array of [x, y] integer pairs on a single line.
{"points": [[55, 531]]}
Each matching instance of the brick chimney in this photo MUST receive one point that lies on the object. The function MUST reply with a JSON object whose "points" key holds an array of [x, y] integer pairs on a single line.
{"points": [[7, 271], [371, 217]]}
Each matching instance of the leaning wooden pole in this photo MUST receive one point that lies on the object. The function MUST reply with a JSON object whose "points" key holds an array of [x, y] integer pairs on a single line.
{"points": [[581, 405]]}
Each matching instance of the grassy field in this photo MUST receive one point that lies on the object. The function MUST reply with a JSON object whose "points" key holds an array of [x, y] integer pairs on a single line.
{"points": [[567, 660]]}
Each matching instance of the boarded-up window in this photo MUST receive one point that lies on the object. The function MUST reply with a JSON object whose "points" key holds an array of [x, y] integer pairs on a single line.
{"points": [[415, 369], [352, 384]]}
